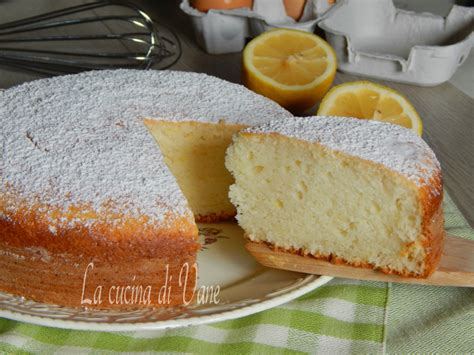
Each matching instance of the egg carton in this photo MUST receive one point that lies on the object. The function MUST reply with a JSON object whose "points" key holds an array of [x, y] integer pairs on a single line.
{"points": [[226, 31], [373, 38]]}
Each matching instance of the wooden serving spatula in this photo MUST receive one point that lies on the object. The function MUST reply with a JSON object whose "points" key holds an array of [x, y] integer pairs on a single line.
{"points": [[456, 267]]}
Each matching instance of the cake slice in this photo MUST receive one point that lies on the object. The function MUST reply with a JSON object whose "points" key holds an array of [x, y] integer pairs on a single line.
{"points": [[350, 191]]}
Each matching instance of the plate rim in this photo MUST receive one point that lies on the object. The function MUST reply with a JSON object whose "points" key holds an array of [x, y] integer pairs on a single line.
{"points": [[239, 312]]}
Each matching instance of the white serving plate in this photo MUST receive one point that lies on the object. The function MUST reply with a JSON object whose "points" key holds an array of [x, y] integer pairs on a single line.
{"points": [[246, 288], [373, 38]]}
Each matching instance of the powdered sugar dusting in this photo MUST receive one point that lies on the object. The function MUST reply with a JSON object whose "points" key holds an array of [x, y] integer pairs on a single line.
{"points": [[395, 147], [80, 140]]}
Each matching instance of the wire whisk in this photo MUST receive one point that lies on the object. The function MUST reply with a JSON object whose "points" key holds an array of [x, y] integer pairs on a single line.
{"points": [[97, 35]]}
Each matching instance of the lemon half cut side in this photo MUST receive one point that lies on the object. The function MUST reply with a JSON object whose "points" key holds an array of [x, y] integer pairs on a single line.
{"points": [[293, 68], [367, 100]]}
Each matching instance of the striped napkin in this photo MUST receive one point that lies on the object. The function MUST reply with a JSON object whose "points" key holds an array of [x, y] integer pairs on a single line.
{"points": [[343, 316]]}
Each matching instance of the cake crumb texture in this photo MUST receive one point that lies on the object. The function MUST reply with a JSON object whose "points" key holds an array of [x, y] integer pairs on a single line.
{"points": [[346, 190]]}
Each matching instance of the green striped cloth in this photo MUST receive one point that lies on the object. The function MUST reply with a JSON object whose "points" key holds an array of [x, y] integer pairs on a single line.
{"points": [[343, 316]]}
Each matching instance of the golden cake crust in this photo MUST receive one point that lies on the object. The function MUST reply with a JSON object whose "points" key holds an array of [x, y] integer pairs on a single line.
{"points": [[51, 267], [431, 197], [71, 281]]}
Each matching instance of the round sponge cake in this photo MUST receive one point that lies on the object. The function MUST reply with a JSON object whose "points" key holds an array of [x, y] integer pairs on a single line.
{"points": [[83, 178]]}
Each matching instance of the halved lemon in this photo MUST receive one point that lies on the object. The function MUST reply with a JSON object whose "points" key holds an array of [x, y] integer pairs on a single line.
{"points": [[367, 100], [293, 68]]}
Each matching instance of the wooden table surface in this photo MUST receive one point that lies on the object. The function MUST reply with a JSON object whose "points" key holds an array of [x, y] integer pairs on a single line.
{"points": [[446, 111]]}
